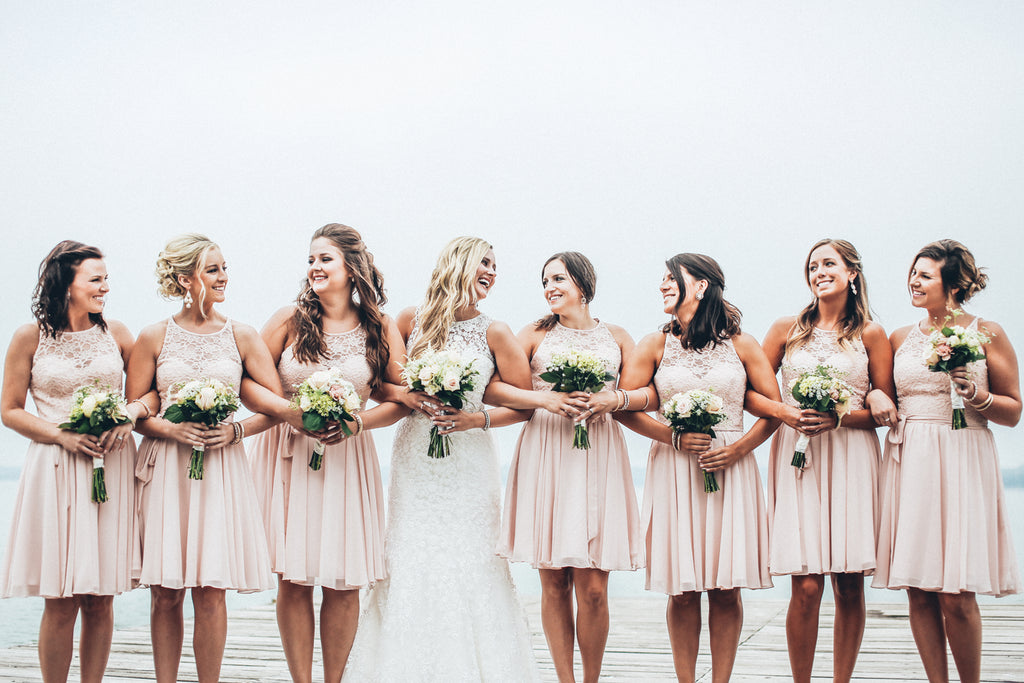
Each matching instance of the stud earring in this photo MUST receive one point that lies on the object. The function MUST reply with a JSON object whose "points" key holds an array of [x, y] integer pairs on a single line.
{"points": [[853, 288], [700, 295], [583, 300], [188, 299]]}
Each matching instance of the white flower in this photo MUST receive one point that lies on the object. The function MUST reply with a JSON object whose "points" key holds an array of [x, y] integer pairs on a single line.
{"points": [[305, 403], [715, 404], [426, 373], [352, 402], [206, 398], [89, 405], [452, 379], [319, 379]]}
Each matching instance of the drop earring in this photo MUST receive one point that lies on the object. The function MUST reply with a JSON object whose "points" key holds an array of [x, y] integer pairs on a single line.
{"points": [[853, 288], [583, 301], [188, 299]]}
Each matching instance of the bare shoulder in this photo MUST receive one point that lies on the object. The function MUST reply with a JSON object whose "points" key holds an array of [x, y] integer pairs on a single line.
{"points": [[619, 334], [405, 319], [899, 335], [744, 342], [25, 339], [282, 317], [121, 334], [153, 333], [651, 344], [497, 329], [244, 332], [991, 328]]}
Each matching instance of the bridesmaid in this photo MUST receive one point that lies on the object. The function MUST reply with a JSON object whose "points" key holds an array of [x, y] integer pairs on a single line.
{"points": [[572, 514], [204, 535], [822, 519], [934, 476], [62, 546], [696, 541], [326, 527]]}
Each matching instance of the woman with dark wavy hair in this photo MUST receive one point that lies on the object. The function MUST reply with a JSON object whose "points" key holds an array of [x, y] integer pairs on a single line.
{"points": [[325, 527], [944, 533], [72, 551], [698, 541]]}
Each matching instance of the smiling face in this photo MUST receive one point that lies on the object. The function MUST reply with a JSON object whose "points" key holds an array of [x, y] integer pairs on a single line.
{"points": [[209, 282], [560, 291], [327, 270], [673, 303], [486, 274], [88, 290], [925, 284], [827, 272]]}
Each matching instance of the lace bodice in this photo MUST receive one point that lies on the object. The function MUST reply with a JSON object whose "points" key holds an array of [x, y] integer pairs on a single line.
{"points": [[186, 356], [923, 393], [823, 348], [345, 351], [560, 338], [73, 359], [717, 368], [469, 338]]}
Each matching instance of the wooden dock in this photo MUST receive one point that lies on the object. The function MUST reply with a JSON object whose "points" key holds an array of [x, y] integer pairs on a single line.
{"points": [[638, 648]]}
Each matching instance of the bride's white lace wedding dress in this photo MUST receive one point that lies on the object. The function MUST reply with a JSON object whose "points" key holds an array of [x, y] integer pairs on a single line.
{"points": [[448, 610]]}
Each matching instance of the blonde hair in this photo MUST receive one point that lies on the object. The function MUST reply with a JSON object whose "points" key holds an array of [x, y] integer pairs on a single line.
{"points": [[184, 255], [451, 288]]}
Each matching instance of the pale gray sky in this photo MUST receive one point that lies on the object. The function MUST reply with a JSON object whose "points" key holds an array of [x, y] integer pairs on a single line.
{"points": [[627, 130]]}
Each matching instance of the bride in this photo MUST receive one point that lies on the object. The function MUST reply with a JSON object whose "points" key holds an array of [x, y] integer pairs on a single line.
{"points": [[448, 610]]}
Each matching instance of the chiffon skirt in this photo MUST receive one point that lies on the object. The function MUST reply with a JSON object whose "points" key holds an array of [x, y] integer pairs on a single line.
{"points": [[699, 541], [200, 532], [824, 519], [63, 544], [566, 507], [944, 526], [324, 527]]}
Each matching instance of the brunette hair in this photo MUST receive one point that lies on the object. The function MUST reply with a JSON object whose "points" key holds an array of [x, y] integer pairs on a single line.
{"points": [[716, 319], [858, 313], [958, 269], [581, 272], [368, 294], [56, 273]]}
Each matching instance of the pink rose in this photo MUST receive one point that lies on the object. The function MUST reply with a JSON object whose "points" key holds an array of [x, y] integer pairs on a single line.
{"points": [[336, 392], [944, 351]]}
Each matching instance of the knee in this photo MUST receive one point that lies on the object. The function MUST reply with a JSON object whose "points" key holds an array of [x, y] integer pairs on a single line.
{"points": [[684, 600], [97, 605], [807, 590], [848, 588], [958, 606], [341, 599], [61, 610], [556, 584], [594, 597], [725, 599], [921, 600], [165, 599], [207, 600]]}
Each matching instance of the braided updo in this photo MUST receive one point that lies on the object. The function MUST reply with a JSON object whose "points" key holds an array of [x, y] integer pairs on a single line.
{"points": [[958, 269], [183, 255]]}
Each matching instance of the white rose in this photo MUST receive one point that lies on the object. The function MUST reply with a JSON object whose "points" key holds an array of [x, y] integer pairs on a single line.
{"points": [[319, 379], [206, 398], [305, 403], [426, 373], [352, 403], [931, 358], [88, 405], [715, 404], [953, 340], [452, 379]]}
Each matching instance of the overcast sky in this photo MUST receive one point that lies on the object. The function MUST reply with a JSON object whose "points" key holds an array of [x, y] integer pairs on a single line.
{"points": [[627, 130]]}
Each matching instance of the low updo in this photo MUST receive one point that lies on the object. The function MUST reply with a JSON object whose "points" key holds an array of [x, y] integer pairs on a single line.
{"points": [[56, 273], [183, 255], [958, 269]]}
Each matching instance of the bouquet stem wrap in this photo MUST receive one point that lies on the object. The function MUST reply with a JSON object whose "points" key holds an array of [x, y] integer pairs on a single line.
{"points": [[959, 417], [195, 463], [99, 484], [799, 452]]}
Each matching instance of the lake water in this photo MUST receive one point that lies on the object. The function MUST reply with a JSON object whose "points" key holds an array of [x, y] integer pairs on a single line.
{"points": [[19, 617]]}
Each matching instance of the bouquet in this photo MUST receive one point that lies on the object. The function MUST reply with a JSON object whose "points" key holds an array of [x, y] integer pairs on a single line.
{"points": [[819, 389], [446, 376], [696, 411], [577, 370], [206, 401], [96, 410], [325, 397], [954, 347]]}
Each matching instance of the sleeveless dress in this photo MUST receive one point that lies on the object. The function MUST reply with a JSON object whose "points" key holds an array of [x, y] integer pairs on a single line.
{"points": [[324, 527], [61, 543], [448, 610], [199, 532], [824, 519], [699, 541], [944, 526], [566, 507]]}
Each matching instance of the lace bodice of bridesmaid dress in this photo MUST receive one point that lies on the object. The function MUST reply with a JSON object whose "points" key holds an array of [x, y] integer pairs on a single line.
{"points": [[716, 368], [823, 348], [73, 359], [923, 393], [345, 351], [187, 356], [469, 338], [559, 339]]}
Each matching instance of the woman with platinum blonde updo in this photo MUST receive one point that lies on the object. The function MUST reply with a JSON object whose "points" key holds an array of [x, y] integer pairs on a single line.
{"points": [[199, 534], [944, 533], [75, 552], [448, 609], [325, 527]]}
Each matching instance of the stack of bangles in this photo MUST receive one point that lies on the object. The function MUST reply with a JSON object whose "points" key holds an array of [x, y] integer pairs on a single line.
{"points": [[239, 432], [984, 404], [623, 403], [143, 404], [675, 439]]}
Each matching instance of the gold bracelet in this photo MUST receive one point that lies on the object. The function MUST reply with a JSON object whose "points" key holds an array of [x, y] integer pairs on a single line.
{"points": [[143, 404], [359, 424], [984, 405], [647, 400]]}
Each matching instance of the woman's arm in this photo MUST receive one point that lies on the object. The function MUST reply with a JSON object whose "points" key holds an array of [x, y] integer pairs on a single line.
{"points": [[1004, 382]]}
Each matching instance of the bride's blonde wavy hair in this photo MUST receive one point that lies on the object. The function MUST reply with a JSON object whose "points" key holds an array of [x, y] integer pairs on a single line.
{"points": [[452, 286], [184, 255]]}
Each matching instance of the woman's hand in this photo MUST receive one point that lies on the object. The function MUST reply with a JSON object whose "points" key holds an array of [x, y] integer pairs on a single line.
{"points": [[80, 444], [694, 443], [883, 410], [566, 405], [219, 436], [331, 433], [792, 416], [448, 420], [813, 422], [601, 403], [116, 437], [964, 385], [189, 433], [720, 458], [421, 402]]}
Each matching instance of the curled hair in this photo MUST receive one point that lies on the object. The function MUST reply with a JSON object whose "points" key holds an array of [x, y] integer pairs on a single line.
{"points": [[184, 255], [56, 273], [716, 319], [581, 272], [367, 285], [452, 286], [958, 268], [857, 314]]}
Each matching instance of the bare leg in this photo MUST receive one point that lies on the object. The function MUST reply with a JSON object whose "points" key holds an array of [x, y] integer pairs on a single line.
{"points": [[963, 630], [57, 637], [211, 631], [295, 622], [556, 616], [167, 630], [848, 590], [591, 619], [684, 623], [97, 632], [929, 633], [725, 621], [802, 624], [339, 616]]}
